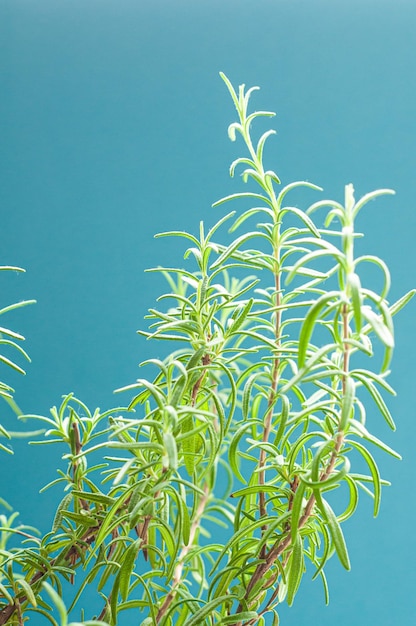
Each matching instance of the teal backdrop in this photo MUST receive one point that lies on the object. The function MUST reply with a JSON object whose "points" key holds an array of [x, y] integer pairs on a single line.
{"points": [[114, 125]]}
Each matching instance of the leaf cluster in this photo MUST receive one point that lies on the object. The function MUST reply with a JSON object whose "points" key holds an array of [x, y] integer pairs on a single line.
{"points": [[251, 424]]}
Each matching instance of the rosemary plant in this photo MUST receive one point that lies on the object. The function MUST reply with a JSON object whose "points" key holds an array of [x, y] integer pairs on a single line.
{"points": [[254, 418]]}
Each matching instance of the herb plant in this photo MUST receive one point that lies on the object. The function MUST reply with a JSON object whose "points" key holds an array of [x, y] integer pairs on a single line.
{"points": [[253, 420]]}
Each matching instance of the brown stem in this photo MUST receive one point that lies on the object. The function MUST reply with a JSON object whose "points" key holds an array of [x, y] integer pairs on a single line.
{"points": [[72, 555], [7, 612], [142, 531], [205, 361], [272, 597], [269, 413]]}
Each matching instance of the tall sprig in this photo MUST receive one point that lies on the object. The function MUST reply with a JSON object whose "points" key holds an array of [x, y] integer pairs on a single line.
{"points": [[306, 394]]}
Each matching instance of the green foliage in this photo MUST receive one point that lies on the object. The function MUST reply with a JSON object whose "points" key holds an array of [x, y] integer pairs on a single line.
{"points": [[250, 423], [9, 344]]}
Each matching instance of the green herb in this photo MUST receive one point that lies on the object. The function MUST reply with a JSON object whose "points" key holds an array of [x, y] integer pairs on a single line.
{"points": [[248, 424]]}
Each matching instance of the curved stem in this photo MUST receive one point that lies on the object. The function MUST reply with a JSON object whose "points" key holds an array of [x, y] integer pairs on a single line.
{"points": [[177, 575]]}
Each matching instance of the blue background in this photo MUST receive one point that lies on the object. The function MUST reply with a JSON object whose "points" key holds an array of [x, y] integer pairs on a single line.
{"points": [[114, 127]]}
